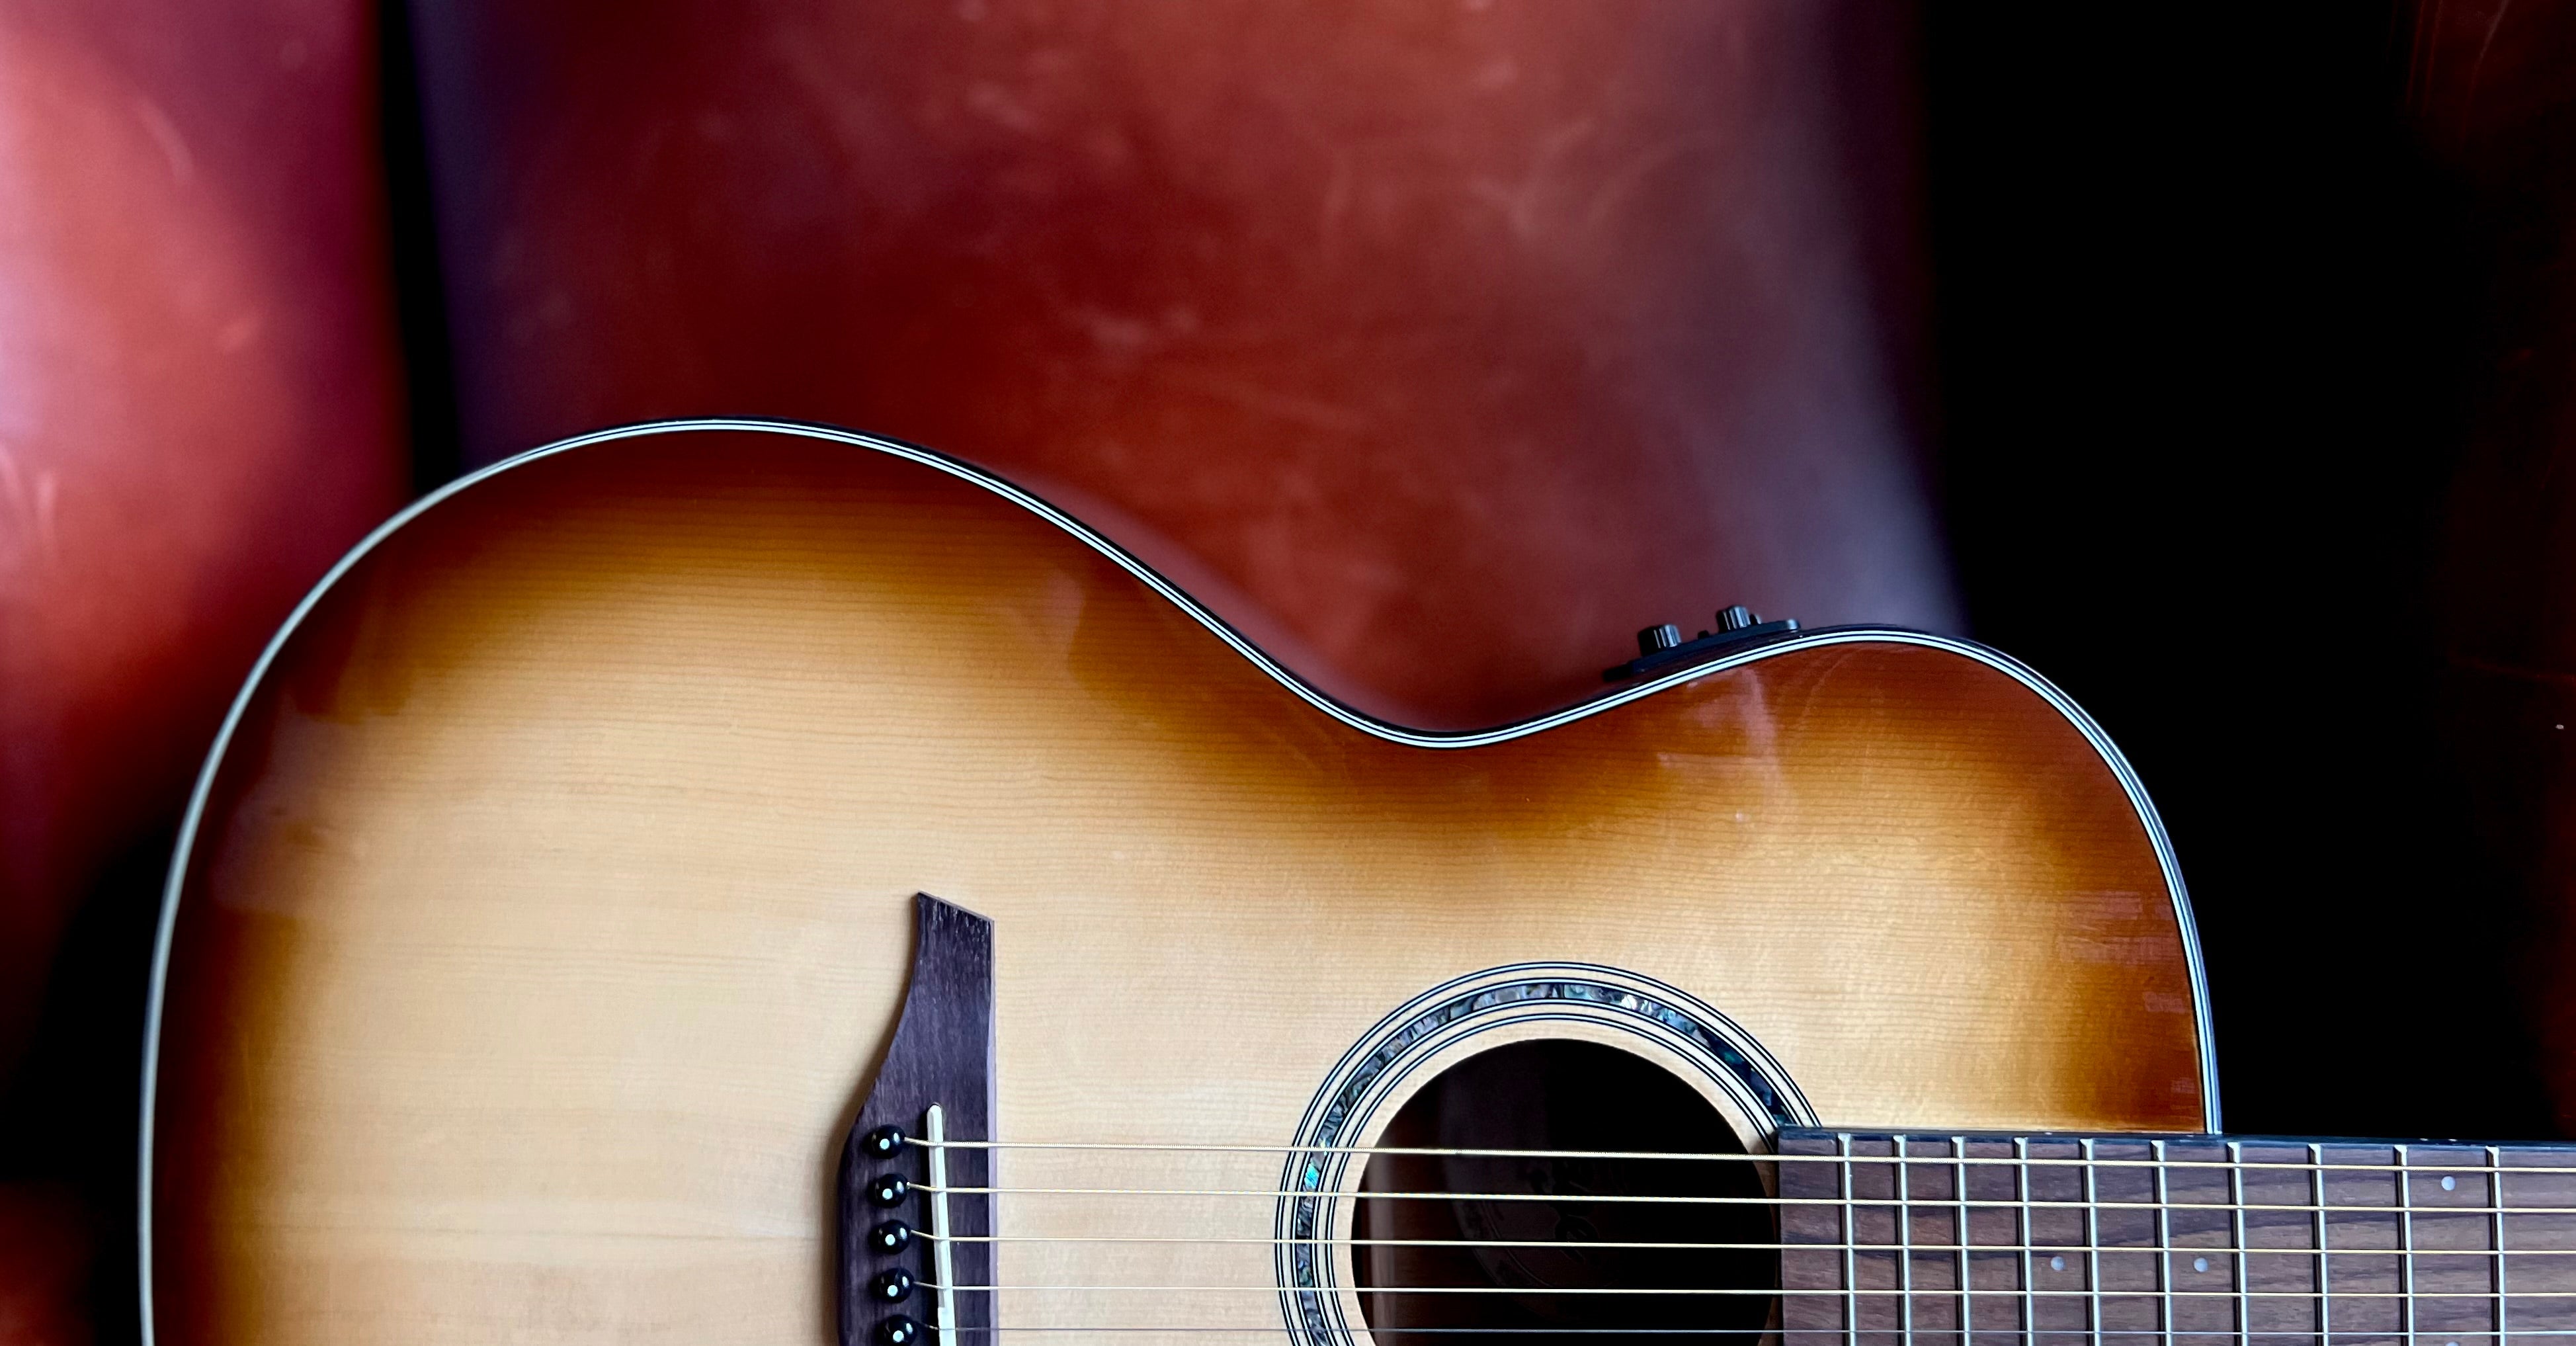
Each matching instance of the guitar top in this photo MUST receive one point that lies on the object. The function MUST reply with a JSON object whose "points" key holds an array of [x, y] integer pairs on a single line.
{"points": [[619, 841]]}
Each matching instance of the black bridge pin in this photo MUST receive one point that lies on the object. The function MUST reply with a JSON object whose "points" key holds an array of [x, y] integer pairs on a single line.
{"points": [[884, 1143], [898, 1331], [890, 1238], [889, 1190], [890, 1287]]}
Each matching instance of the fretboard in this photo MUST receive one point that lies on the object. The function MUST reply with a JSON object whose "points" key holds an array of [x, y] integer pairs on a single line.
{"points": [[2174, 1241]]}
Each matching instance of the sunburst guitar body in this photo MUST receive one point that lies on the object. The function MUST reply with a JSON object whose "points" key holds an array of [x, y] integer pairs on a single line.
{"points": [[716, 882]]}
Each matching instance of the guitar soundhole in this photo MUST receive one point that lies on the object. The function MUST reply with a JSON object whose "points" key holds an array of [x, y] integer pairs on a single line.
{"points": [[1560, 1096]]}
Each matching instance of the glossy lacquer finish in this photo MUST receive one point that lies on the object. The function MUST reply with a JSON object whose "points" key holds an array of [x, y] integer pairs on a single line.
{"points": [[553, 895]]}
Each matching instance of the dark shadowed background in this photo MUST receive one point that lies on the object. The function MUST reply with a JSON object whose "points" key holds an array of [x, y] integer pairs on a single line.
{"points": [[2217, 368]]}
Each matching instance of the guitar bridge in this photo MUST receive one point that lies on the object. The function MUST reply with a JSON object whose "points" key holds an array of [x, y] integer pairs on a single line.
{"points": [[938, 1076]]}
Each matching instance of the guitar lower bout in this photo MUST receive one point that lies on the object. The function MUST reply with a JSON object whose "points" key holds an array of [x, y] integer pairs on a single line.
{"points": [[554, 884]]}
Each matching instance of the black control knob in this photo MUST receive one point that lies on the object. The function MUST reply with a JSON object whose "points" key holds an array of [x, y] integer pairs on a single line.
{"points": [[883, 1143], [889, 1190], [890, 1287], [1657, 639], [890, 1238], [898, 1331], [1736, 618]]}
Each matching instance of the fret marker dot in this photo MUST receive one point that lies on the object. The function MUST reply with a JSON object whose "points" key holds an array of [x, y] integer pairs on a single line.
{"points": [[2200, 1264], [2057, 1264], [2449, 1182]]}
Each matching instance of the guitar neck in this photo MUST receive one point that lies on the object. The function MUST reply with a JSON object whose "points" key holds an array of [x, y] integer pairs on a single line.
{"points": [[2175, 1240]]}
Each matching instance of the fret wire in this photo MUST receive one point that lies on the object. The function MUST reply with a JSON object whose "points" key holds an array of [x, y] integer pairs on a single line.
{"points": [[2325, 1305], [1905, 1246], [1959, 1192], [2164, 1249], [2406, 1241], [2495, 1198], [2029, 1299], [2244, 1264], [2092, 1248], [1851, 1278]]}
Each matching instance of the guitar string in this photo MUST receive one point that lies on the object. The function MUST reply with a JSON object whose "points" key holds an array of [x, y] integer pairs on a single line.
{"points": [[2318, 1167], [1677, 1245], [1990, 1161], [1274, 1328], [1845, 1334], [1645, 1198], [1670, 1291], [2166, 1253]]}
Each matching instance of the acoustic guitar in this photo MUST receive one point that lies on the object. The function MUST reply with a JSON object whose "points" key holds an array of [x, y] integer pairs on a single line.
{"points": [[738, 882]]}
